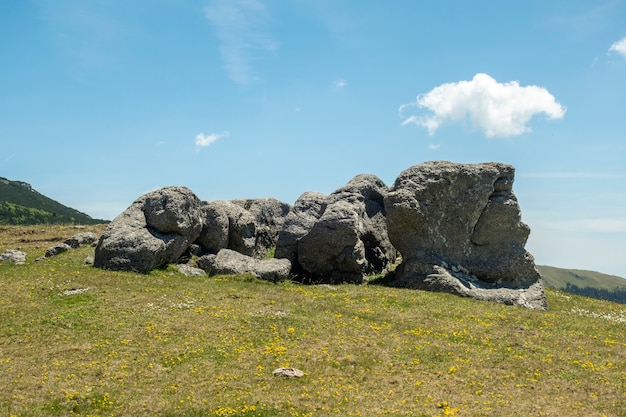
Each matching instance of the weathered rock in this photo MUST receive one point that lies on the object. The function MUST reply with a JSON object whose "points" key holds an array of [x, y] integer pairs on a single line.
{"points": [[340, 237], [269, 216], [241, 231], [190, 271], [458, 228], [85, 238], [332, 250], [214, 235], [366, 193], [56, 249], [307, 209], [154, 231], [228, 261], [13, 255], [227, 226]]}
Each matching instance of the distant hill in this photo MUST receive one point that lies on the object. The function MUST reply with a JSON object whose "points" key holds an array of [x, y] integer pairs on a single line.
{"points": [[21, 204], [589, 283]]}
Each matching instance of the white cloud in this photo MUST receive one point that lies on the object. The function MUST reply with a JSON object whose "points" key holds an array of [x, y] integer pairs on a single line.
{"points": [[242, 29], [498, 109], [341, 83], [619, 47], [205, 140], [434, 147]]}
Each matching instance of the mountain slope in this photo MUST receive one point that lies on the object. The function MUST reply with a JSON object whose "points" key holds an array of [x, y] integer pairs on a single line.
{"points": [[21, 204], [590, 283]]}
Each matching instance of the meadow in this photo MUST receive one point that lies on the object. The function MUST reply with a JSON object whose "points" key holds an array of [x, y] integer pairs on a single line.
{"points": [[79, 341]]}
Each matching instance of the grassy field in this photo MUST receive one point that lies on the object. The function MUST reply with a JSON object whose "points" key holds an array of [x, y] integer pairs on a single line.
{"points": [[75, 340]]}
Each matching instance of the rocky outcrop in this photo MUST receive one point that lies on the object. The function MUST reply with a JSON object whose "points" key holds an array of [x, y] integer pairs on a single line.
{"points": [[340, 237], [231, 262], [227, 226], [269, 216], [457, 226], [459, 229], [307, 209], [153, 232]]}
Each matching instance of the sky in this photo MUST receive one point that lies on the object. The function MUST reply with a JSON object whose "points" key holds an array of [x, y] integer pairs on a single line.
{"points": [[102, 101]]}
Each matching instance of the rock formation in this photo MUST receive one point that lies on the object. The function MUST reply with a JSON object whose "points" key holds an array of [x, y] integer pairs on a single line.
{"points": [[340, 237], [154, 231], [269, 216], [250, 227], [458, 228], [227, 226]]}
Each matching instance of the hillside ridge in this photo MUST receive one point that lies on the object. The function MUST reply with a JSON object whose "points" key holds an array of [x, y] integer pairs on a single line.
{"points": [[21, 204], [583, 282]]}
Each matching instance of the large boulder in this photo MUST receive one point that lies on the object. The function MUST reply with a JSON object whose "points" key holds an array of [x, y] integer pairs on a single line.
{"points": [[231, 262], [340, 237], [332, 250], [366, 193], [307, 209], [154, 231], [227, 226], [459, 229], [269, 216]]}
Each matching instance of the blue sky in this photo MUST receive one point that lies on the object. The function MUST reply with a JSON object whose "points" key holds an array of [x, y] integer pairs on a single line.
{"points": [[102, 101]]}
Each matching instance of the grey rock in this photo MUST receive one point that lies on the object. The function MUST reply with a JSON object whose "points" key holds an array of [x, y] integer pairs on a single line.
{"points": [[227, 226], [214, 235], [241, 231], [332, 250], [307, 209], [190, 271], [228, 261], [85, 238], [269, 216], [154, 231], [13, 255], [340, 237], [57, 249], [366, 193], [459, 229]]}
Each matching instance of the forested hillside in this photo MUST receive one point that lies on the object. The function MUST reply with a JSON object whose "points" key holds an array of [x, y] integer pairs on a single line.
{"points": [[21, 204]]}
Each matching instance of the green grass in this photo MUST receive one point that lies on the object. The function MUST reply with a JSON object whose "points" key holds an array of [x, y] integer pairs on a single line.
{"points": [[169, 345]]}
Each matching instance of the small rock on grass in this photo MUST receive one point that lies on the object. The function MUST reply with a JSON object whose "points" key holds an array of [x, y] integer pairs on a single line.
{"points": [[191, 271], [288, 372], [15, 256]]}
